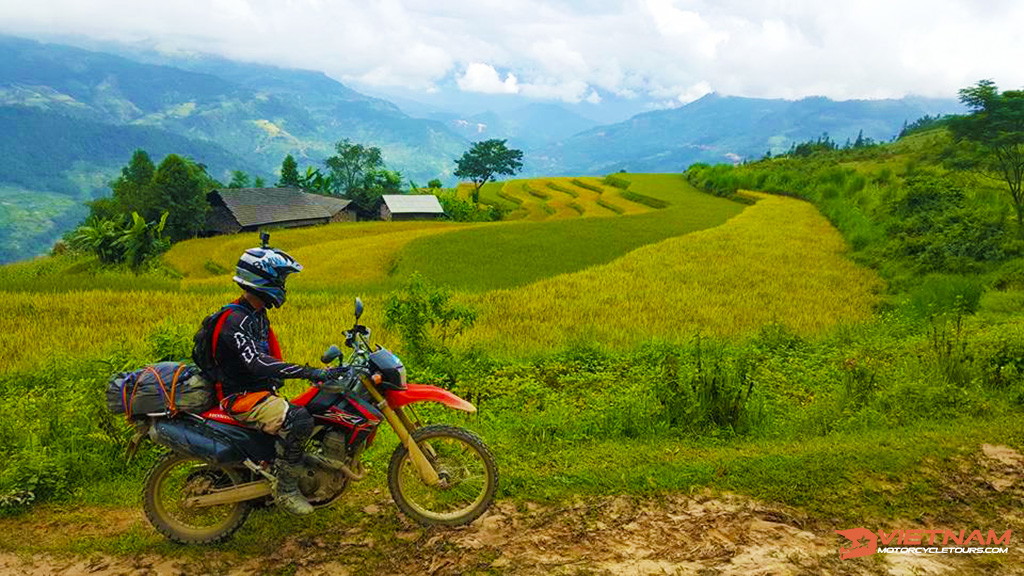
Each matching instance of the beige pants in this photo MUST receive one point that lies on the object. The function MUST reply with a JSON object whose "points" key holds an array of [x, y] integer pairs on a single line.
{"points": [[264, 411]]}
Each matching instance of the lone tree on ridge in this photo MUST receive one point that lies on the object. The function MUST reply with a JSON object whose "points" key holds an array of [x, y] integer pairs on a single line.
{"points": [[485, 160]]}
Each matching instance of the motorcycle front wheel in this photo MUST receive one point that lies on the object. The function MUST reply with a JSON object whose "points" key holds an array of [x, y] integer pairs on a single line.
{"points": [[468, 473], [177, 477]]}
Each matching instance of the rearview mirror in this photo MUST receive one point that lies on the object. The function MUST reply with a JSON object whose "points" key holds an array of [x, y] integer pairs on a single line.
{"points": [[332, 354], [359, 308]]}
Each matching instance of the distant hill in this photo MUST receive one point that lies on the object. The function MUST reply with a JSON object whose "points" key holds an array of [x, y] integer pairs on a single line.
{"points": [[258, 112], [52, 151], [531, 127], [70, 118], [726, 129]]}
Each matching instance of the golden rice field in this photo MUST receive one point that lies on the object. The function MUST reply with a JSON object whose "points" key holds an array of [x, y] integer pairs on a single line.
{"points": [[36, 327], [363, 252], [779, 261]]}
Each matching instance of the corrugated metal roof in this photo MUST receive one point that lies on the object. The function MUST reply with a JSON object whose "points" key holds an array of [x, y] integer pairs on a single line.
{"points": [[258, 206], [413, 203]]}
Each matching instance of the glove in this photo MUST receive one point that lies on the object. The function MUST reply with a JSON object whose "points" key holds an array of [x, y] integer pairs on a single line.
{"points": [[325, 374]]}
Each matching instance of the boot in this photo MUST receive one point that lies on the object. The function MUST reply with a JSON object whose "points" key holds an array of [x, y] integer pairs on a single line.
{"points": [[288, 495]]}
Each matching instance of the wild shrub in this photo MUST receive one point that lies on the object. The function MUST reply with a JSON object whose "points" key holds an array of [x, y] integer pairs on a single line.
{"points": [[616, 181], [172, 341], [705, 387], [943, 294], [459, 210], [133, 241], [427, 320]]}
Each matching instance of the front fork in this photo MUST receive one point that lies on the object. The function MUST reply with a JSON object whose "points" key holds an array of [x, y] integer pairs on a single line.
{"points": [[404, 427]]}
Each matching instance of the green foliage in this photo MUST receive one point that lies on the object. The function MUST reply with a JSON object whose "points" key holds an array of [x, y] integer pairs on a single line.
{"points": [[358, 172], [924, 124], [174, 192], [315, 181], [133, 192], [485, 160], [643, 199], [616, 181], [434, 184], [426, 318], [289, 172], [239, 179], [460, 210], [942, 294], [996, 126], [918, 221], [587, 185], [135, 243], [181, 186], [934, 228], [352, 164], [366, 196]]}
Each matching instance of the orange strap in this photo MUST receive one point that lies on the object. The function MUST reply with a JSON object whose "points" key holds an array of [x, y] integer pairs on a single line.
{"points": [[174, 389]]}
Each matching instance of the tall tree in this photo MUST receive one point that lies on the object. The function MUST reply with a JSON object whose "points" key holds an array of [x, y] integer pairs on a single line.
{"points": [[352, 163], [181, 187], [995, 128], [132, 191], [485, 160], [289, 172]]}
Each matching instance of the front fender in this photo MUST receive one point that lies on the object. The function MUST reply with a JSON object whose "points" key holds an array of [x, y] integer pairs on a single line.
{"points": [[423, 393]]}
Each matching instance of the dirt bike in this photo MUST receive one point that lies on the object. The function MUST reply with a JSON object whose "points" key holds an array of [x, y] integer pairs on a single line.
{"points": [[219, 470]]}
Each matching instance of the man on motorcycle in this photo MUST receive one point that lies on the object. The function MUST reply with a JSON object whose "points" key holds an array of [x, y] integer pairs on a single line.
{"points": [[237, 349]]}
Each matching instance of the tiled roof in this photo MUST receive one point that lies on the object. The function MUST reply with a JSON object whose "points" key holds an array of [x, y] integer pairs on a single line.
{"points": [[259, 206]]}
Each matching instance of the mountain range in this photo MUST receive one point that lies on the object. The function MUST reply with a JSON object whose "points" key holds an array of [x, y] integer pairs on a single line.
{"points": [[71, 117]]}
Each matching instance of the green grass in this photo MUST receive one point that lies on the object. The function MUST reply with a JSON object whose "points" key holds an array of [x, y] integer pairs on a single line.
{"points": [[878, 474], [516, 253]]}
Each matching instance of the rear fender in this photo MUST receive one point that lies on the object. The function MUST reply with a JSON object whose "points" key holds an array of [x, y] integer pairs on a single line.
{"points": [[423, 393]]}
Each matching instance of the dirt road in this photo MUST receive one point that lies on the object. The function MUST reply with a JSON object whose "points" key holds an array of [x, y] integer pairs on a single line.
{"points": [[701, 534]]}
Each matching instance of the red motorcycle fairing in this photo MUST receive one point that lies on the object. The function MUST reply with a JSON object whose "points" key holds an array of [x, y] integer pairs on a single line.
{"points": [[424, 393], [219, 415], [305, 397]]}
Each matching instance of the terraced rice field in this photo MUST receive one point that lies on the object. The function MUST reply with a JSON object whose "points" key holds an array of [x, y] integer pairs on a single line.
{"points": [[557, 198]]}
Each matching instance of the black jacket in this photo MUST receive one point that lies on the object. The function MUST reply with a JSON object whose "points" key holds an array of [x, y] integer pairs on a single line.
{"points": [[243, 355]]}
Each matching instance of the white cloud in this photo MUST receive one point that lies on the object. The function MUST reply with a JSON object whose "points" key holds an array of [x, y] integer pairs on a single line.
{"points": [[484, 78], [570, 50]]}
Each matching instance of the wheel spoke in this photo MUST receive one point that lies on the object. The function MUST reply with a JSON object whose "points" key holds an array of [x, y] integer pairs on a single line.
{"points": [[466, 469]]}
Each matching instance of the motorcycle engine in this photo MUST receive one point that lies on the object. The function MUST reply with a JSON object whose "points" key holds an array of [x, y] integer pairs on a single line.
{"points": [[320, 485]]}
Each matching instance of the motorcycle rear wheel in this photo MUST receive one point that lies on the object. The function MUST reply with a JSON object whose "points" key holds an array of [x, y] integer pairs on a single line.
{"points": [[467, 469], [179, 476]]}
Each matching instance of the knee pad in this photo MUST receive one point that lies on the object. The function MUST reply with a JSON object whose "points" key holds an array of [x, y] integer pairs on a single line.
{"points": [[298, 423]]}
